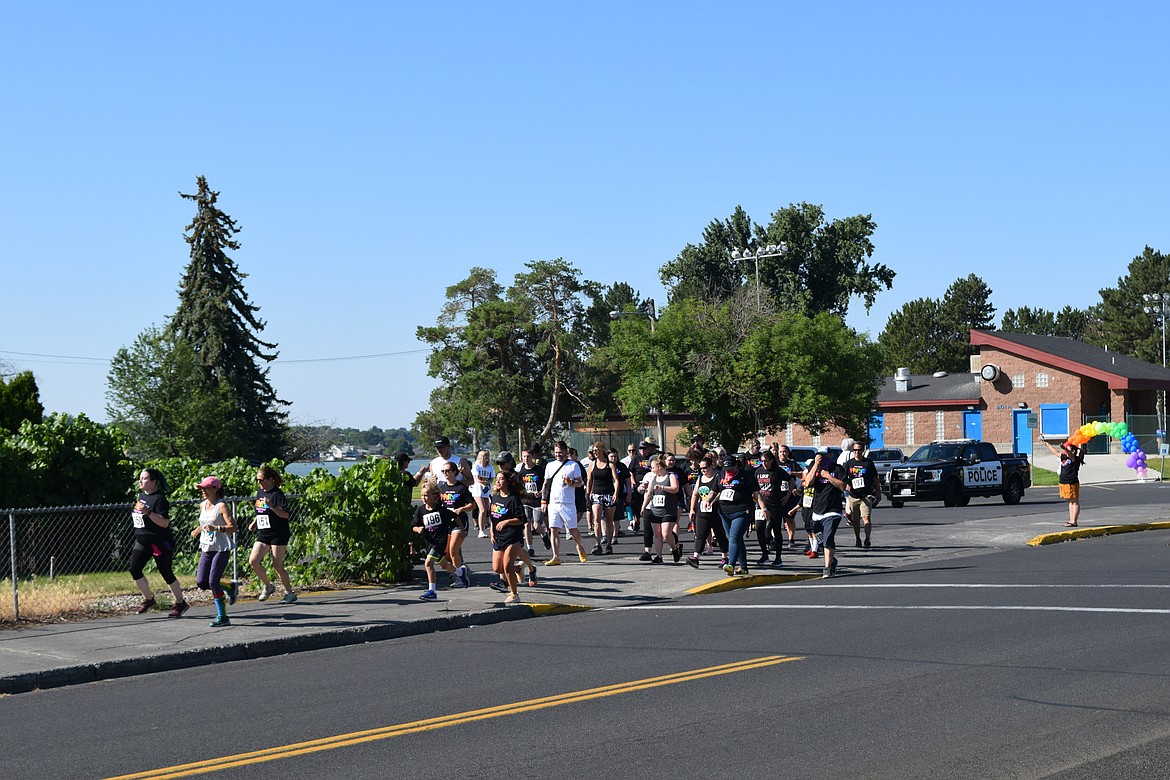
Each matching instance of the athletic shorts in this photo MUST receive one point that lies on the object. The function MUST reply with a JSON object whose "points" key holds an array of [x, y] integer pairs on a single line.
{"points": [[1071, 492], [828, 528], [435, 553], [562, 515], [273, 539], [604, 499], [534, 515]]}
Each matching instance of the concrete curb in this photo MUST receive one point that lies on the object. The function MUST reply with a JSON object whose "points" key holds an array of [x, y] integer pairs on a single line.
{"points": [[750, 581], [1093, 531], [108, 670]]}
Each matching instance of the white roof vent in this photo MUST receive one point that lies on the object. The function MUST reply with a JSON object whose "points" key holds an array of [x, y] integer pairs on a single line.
{"points": [[939, 374]]}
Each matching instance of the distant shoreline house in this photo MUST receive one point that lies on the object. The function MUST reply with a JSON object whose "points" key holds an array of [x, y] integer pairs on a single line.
{"points": [[1015, 379]]}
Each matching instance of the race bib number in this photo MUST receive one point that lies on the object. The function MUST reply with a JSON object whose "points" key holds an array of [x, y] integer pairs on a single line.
{"points": [[761, 515], [658, 500], [858, 483], [727, 494], [806, 501], [432, 520], [209, 537], [706, 507], [138, 520], [262, 521]]}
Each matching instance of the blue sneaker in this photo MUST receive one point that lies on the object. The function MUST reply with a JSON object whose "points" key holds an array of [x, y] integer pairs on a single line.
{"points": [[429, 595], [466, 577]]}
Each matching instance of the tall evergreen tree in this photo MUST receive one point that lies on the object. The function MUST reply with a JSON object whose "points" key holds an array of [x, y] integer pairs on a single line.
{"points": [[217, 319]]}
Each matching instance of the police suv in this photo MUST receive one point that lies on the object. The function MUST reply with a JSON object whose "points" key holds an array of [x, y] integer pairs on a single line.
{"points": [[954, 471]]}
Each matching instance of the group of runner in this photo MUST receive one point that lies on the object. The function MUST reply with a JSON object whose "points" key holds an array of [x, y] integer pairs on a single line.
{"points": [[154, 538], [721, 497]]}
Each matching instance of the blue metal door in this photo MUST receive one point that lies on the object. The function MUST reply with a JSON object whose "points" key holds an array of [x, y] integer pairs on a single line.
{"points": [[877, 431], [1021, 433], [973, 425]]}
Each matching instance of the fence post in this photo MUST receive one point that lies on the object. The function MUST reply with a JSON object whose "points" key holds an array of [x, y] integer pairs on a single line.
{"points": [[235, 543], [12, 554]]}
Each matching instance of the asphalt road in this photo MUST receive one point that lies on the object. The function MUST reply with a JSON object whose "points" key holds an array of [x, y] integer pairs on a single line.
{"points": [[1024, 663]]}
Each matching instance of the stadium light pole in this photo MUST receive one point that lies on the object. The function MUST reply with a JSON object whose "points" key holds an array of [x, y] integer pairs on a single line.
{"points": [[769, 251]]}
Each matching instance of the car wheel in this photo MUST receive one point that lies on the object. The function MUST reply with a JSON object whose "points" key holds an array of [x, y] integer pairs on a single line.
{"points": [[1014, 491], [962, 500], [897, 504], [950, 493]]}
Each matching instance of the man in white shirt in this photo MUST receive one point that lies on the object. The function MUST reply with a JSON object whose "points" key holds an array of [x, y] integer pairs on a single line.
{"points": [[562, 477]]}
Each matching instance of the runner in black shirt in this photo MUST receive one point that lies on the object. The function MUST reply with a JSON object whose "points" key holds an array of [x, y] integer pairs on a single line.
{"points": [[737, 486], [435, 523], [828, 480], [775, 489], [507, 529]]}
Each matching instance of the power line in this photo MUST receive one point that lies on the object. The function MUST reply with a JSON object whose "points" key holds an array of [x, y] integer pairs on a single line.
{"points": [[57, 358]]}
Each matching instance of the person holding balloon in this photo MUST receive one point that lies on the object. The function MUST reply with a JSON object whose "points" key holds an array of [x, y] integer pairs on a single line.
{"points": [[1071, 457]]}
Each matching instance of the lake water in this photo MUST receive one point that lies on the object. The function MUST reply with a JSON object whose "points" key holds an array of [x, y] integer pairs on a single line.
{"points": [[301, 468]]}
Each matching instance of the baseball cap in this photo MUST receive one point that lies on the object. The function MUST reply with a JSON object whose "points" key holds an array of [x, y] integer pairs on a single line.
{"points": [[505, 456], [822, 450], [442, 441], [729, 461], [211, 482]]}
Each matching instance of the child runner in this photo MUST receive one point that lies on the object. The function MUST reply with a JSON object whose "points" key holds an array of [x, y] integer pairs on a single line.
{"points": [[507, 513], [481, 491], [215, 540], [272, 533], [435, 522]]}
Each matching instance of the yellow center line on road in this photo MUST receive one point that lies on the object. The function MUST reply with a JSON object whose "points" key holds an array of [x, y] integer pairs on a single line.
{"points": [[386, 732]]}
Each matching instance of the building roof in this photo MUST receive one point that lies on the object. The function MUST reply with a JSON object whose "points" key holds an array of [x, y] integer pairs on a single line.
{"points": [[927, 390], [1118, 371]]}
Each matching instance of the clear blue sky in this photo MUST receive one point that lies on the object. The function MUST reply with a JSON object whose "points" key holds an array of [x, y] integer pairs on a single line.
{"points": [[374, 151]]}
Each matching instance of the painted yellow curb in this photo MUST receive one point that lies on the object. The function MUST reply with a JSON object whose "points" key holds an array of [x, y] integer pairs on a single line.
{"points": [[1100, 530], [541, 610], [750, 581]]}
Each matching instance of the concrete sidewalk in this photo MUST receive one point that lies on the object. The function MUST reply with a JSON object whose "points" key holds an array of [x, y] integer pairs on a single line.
{"points": [[1098, 469], [105, 648]]}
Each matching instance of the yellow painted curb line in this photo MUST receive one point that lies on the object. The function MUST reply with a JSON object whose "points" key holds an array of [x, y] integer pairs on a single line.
{"points": [[1100, 530], [541, 610], [750, 581]]}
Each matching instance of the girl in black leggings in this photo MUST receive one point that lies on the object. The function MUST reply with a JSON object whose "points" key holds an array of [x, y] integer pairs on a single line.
{"points": [[703, 512], [153, 538]]}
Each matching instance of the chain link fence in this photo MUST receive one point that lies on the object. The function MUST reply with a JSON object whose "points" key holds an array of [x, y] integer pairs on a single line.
{"points": [[74, 560]]}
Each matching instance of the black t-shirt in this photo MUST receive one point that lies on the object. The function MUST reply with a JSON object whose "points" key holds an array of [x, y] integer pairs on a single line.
{"points": [[863, 478], [533, 481], [145, 529], [640, 466], [267, 521], [453, 496], [742, 485], [707, 488], [1070, 469], [509, 508], [829, 499], [437, 524], [775, 487]]}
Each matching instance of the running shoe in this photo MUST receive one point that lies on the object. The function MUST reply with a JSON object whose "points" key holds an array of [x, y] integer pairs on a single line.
{"points": [[858, 543], [827, 573], [231, 591], [482, 535], [289, 598], [511, 600], [763, 559], [465, 578], [146, 605], [457, 582], [833, 568], [429, 595], [597, 550], [499, 587], [776, 563], [179, 608], [657, 559], [531, 552], [723, 561], [740, 571], [609, 549], [728, 569], [693, 561], [676, 553], [220, 621], [532, 578], [645, 557], [553, 562], [546, 539], [865, 544], [266, 591], [582, 556]]}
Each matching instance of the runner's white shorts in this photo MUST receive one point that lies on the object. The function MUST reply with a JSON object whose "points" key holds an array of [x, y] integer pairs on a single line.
{"points": [[562, 515]]}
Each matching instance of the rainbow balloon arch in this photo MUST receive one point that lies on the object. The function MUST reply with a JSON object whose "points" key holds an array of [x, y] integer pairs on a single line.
{"points": [[1129, 442]]}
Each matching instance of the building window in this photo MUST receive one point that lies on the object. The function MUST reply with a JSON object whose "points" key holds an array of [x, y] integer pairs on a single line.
{"points": [[909, 427], [1017, 380], [940, 428], [1041, 380], [788, 435]]}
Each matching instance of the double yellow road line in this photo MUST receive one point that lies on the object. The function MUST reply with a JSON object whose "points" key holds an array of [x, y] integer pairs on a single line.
{"points": [[514, 708]]}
